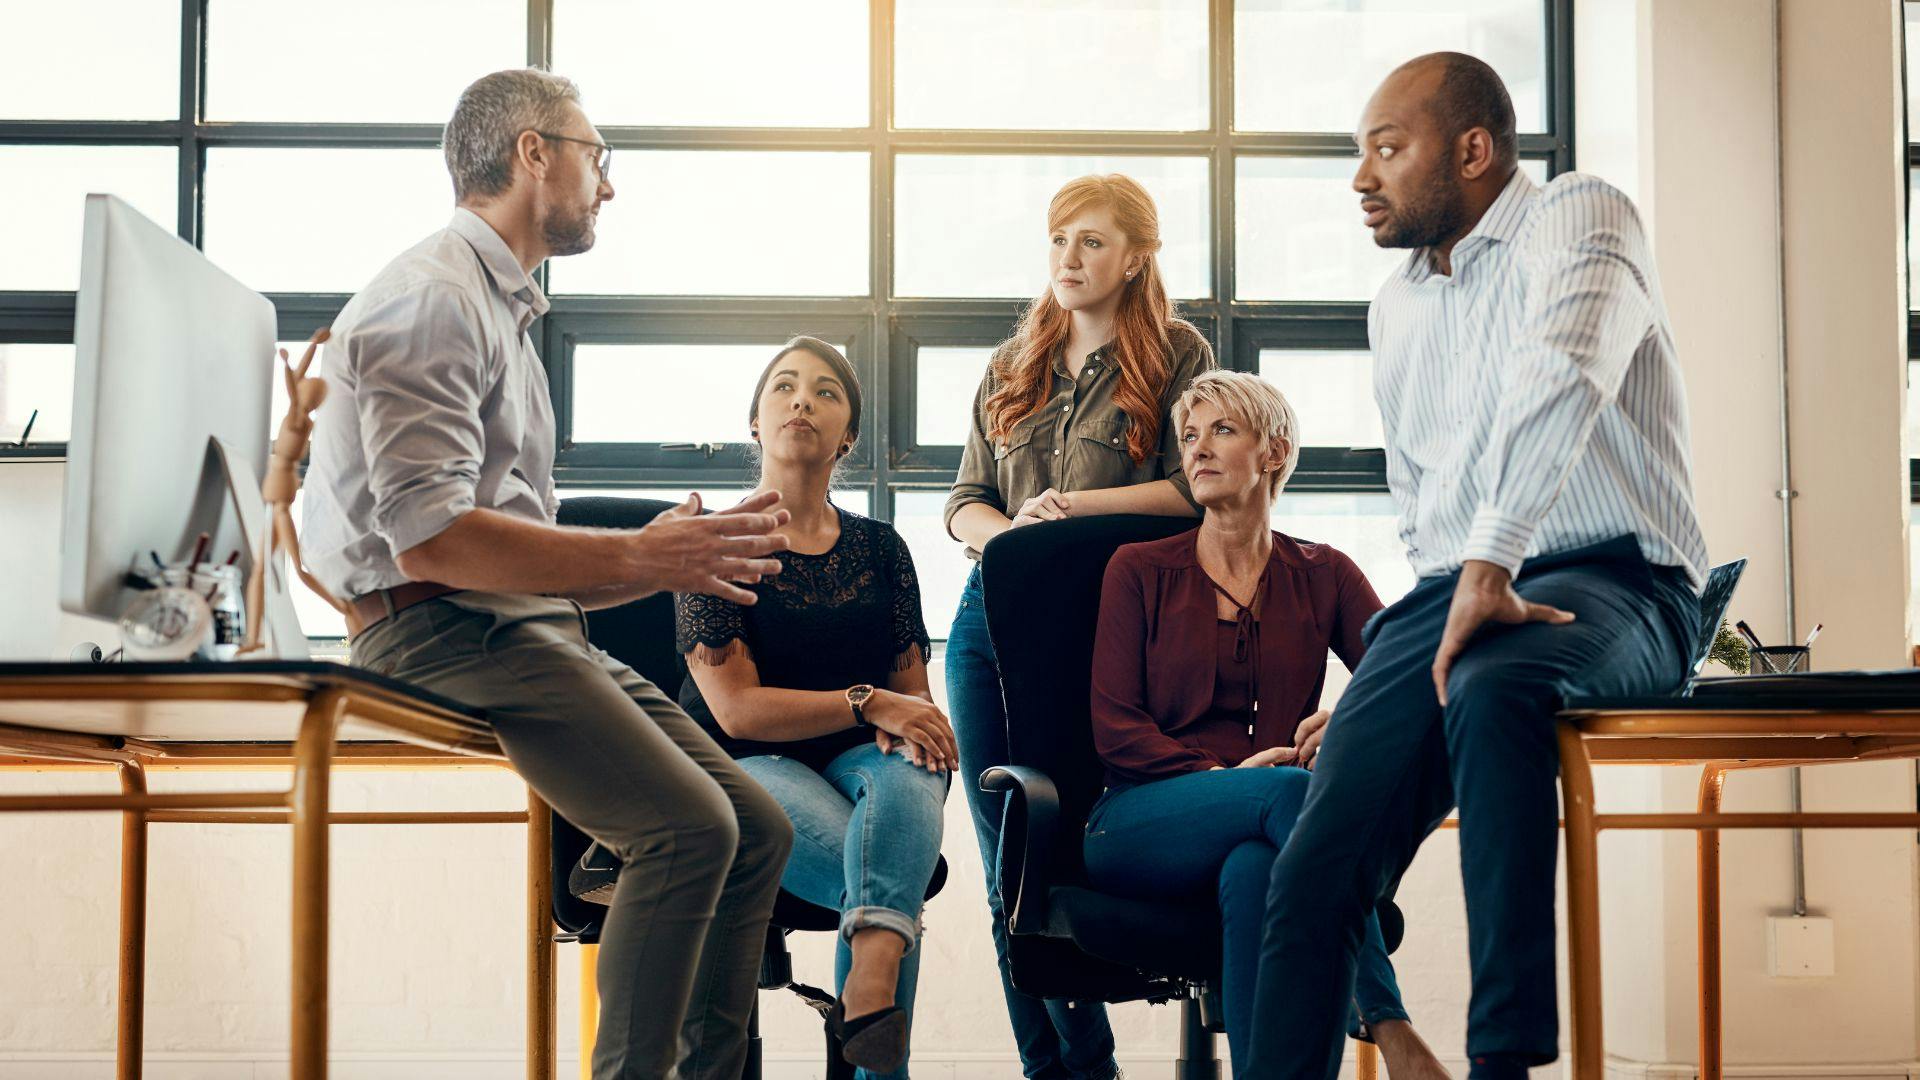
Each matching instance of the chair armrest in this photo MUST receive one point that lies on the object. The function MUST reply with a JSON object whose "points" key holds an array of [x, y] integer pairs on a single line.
{"points": [[1027, 835]]}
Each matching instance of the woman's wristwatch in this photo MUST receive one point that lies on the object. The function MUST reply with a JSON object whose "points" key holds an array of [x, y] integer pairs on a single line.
{"points": [[857, 698]]}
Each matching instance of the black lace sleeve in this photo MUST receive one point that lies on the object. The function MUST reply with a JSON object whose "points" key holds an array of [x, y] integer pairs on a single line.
{"points": [[708, 628], [909, 624]]}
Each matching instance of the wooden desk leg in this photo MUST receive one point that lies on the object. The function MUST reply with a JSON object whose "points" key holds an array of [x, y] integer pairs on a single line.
{"points": [[128, 1048], [540, 1022], [589, 1007], [1712, 785], [1583, 905], [1366, 1062], [312, 777]]}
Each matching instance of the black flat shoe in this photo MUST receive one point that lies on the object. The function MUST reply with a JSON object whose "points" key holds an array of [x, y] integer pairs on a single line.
{"points": [[876, 1042], [595, 875]]}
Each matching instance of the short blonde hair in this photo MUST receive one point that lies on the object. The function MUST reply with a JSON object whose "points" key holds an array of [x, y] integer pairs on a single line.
{"points": [[1253, 401]]}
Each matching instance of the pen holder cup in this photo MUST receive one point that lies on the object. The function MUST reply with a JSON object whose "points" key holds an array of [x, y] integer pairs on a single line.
{"points": [[1780, 660]]}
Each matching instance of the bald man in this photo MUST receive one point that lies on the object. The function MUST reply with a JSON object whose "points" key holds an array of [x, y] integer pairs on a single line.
{"points": [[1537, 452]]}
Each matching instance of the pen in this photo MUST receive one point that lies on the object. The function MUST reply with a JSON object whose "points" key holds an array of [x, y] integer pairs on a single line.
{"points": [[28, 430], [1817, 627], [1759, 650]]}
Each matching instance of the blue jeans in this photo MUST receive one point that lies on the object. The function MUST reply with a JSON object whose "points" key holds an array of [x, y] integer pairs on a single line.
{"points": [[1057, 1039], [1216, 834], [866, 841], [1395, 762]]}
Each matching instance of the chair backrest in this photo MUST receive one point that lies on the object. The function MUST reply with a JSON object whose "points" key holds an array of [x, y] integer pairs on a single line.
{"points": [[1713, 607], [1042, 585], [639, 634]]}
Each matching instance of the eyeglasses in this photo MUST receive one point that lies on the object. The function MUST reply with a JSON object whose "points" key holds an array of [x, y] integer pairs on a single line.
{"points": [[603, 161]]}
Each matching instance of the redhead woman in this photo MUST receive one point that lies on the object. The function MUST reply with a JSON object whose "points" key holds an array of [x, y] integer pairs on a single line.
{"points": [[846, 738], [1207, 669], [1070, 420]]}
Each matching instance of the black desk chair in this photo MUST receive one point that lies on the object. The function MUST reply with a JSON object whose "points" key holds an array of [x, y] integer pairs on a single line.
{"points": [[1067, 939], [640, 634]]}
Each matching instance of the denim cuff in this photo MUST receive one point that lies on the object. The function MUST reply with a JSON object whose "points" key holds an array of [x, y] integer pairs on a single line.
{"points": [[1361, 1027], [856, 919]]}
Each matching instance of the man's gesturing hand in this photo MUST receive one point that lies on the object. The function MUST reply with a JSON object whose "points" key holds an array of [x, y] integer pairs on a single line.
{"points": [[684, 550], [1484, 594]]}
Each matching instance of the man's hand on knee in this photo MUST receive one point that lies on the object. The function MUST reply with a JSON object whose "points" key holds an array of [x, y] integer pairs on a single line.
{"points": [[1483, 594]]}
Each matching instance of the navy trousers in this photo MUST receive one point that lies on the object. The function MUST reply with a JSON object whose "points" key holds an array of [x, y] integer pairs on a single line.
{"points": [[1394, 764]]}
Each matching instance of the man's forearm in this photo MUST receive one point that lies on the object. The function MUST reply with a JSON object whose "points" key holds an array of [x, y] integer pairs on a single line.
{"points": [[495, 552]]}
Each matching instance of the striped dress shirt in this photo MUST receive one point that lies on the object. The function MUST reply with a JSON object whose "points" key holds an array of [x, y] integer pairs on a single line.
{"points": [[1532, 398]]}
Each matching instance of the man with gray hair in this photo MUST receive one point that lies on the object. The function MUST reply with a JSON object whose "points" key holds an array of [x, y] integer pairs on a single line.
{"points": [[431, 504]]}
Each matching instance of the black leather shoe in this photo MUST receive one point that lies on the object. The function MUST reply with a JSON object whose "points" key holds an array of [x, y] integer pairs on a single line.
{"points": [[876, 1042], [595, 875]]}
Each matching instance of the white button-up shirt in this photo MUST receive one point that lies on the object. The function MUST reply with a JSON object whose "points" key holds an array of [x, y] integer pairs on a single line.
{"points": [[437, 404], [1532, 399]]}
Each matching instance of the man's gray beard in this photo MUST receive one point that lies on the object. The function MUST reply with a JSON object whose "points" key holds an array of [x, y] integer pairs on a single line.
{"points": [[569, 236]]}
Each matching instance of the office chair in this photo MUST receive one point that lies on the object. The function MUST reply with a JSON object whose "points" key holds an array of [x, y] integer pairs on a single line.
{"points": [[640, 634], [1066, 938]]}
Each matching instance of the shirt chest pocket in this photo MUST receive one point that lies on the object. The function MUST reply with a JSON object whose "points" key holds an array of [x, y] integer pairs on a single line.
{"points": [[1101, 453], [1016, 440]]}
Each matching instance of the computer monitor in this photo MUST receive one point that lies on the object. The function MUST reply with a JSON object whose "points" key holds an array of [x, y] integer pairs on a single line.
{"points": [[170, 354]]}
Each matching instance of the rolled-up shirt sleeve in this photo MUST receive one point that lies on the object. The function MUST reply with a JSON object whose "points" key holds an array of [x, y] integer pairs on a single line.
{"points": [[421, 373], [1196, 361], [978, 480]]}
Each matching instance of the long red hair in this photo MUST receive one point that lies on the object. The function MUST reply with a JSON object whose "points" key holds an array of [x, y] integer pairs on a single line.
{"points": [[1142, 349]]}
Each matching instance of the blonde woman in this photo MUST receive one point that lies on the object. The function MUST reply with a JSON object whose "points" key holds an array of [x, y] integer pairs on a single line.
{"points": [[1207, 670]]}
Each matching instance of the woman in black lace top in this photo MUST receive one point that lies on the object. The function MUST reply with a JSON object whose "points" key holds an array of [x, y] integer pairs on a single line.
{"points": [[819, 688]]}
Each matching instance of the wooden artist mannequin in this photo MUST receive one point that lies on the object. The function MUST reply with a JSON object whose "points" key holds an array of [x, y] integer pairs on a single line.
{"points": [[282, 483]]}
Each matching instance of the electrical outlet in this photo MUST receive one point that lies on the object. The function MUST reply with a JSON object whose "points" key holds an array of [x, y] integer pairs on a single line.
{"points": [[1799, 947]]}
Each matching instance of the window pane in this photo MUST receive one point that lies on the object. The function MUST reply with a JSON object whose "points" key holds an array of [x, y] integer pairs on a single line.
{"points": [[1002, 199], [1298, 232], [1310, 65], [712, 73], [36, 377], [1913, 233], [1364, 527], [91, 60], [285, 220], [1027, 64], [667, 392], [1912, 12], [1331, 393], [355, 61], [938, 559], [854, 499], [948, 377], [729, 223], [43, 193], [1913, 408]]}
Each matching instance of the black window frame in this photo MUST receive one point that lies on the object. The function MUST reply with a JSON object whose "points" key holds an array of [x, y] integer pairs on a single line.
{"points": [[885, 331]]}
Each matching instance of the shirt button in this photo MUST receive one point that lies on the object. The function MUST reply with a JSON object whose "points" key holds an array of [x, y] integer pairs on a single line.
{"points": [[1066, 408], [1056, 453], [1116, 440]]}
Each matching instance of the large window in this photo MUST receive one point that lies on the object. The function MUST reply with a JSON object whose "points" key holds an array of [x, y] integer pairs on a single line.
{"points": [[874, 173]]}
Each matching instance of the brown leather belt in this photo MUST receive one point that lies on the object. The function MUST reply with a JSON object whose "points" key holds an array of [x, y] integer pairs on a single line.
{"points": [[382, 604]]}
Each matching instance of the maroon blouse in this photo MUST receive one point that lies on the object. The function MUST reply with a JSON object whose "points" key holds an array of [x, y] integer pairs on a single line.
{"points": [[1158, 706]]}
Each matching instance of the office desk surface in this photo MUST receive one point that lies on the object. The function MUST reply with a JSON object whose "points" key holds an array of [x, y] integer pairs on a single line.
{"points": [[234, 702]]}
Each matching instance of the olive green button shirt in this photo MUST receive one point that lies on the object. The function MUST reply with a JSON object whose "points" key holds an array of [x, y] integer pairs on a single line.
{"points": [[1077, 441]]}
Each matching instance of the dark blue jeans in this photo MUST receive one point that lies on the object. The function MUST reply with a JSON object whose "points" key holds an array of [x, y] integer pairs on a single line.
{"points": [[1209, 835], [1058, 1040], [1394, 763]]}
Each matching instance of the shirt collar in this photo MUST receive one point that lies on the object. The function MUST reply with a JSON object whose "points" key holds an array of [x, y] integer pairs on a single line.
{"points": [[509, 277], [1499, 225], [1095, 359]]}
